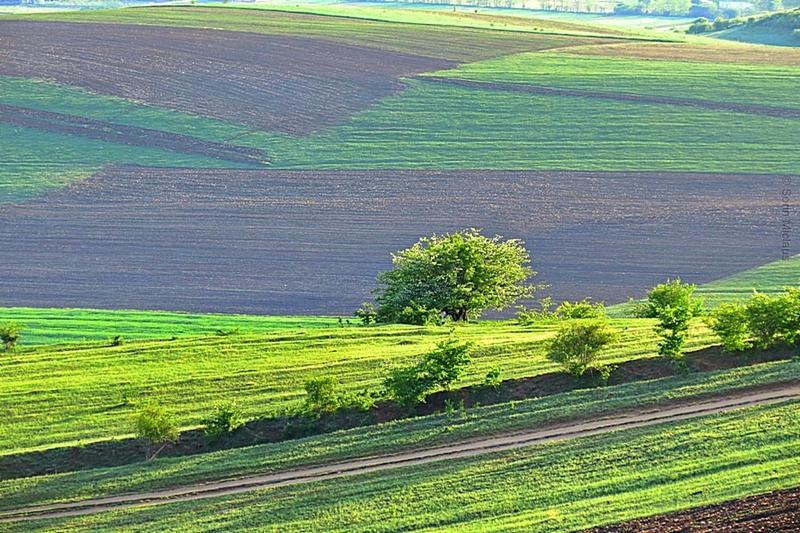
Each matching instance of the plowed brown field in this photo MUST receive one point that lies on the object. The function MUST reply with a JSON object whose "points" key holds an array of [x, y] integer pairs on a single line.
{"points": [[312, 242], [766, 513], [288, 84]]}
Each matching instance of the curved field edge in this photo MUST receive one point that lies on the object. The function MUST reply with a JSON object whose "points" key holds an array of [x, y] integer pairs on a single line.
{"points": [[392, 437], [88, 393], [554, 487]]}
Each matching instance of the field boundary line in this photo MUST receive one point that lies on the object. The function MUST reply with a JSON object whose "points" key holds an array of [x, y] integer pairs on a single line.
{"points": [[372, 464]]}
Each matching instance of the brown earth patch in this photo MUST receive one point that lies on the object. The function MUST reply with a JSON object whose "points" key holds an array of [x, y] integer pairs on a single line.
{"points": [[755, 109], [295, 85], [276, 429], [128, 135], [773, 512], [723, 52], [312, 242]]}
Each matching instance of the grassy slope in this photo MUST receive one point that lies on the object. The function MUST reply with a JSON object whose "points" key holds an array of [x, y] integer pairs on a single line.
{"points": [[769, 278], [428, 431], [750, 84], [779, 29], [438, 126], [53, 97], [435, 126], [53, 326], [554, 487], [89, 392], [34, 161], [443, 16], [432, 126]]}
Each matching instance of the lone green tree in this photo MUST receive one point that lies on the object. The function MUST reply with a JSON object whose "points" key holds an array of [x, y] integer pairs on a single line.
{"points": [[673, 304], [9, 335], [457, 276]]}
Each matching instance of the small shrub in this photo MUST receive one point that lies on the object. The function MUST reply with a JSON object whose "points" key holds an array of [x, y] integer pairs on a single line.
{"points": [[227, 332], [492, 379], [452, 406], [226, 418], [445, 364], [406, 386], [367, 313], [362, 401], [729, 322], [10, 334], [529, 317], [323, 395], [117, 340], [578, 344], [774, 318], [579, 310], [673, 304], [439, 368], [156, 426]]}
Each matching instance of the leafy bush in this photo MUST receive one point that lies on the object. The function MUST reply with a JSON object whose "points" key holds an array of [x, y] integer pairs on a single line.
{"points": [[445, 364], [492, 379], [10, 334], [774, 318], [153, 424], [323, 395], [456, 276], [577, 345], [673, 304], [407, 386], [226, 418], [440, 368], [729, 322], [367, 313], [529, 317], [583, 309]]}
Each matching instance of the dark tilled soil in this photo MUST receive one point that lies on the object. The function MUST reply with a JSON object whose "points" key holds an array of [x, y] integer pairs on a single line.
{"points": [[755, 109], [112, 453], [289, 84], [772, 512], [129, 135], [293, 242]]}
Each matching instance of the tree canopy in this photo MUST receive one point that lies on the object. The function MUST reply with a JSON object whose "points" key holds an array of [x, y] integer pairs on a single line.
{"points": [[456, 276]]}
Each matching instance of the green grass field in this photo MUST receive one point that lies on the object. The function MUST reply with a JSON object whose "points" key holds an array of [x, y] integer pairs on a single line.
{"points": [[60, 325], [432, 125], [769, 278], [555, 487], [402, 435], [88, 392], [741, 83]]}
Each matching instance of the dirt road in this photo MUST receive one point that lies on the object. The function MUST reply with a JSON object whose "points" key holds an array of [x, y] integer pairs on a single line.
{"points": [[418, 457]]}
